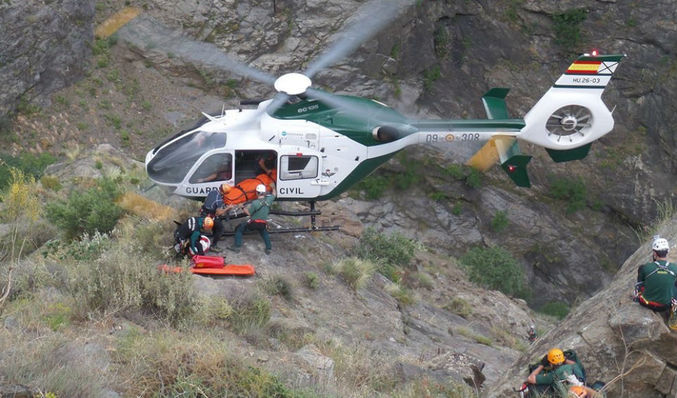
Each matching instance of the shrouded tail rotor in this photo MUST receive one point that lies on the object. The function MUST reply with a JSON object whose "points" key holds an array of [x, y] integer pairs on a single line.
{"points": [[569, 123]]}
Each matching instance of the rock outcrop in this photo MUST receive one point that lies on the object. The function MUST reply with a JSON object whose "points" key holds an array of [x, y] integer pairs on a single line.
{"points": [[45, 46], [618, 341]]}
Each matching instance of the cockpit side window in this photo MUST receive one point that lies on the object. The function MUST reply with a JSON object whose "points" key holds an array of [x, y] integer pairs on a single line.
{"points": [[218, 167]]}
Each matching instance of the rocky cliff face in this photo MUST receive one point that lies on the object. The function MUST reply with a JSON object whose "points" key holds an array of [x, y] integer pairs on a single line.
{"points": [[44, 46], [617, 340]]}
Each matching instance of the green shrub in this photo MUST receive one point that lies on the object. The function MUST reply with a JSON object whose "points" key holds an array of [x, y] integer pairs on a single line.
{"points": [[51, 183], [496, 269], [87, 211], [250, 313], [481, 339], [567, 28], [438, 196], [558, 309], [423, 280], [500, 221], [410, 176], [441, 42], [87, 249], [279, 285], [459, 307], [31, 165], [58, 316], [474, 179], [404, 296], [373, 186], [151, 237], [430, 76], [572, 190], [190, 365], [311, 280], [389, 252], [454, 171], [120, 280], [356, 272]]}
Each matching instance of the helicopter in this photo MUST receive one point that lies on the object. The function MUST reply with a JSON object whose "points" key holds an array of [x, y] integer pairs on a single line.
{"points": [[320, 144]]}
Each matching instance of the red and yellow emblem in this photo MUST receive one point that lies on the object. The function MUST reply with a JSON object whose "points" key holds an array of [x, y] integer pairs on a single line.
{"points": [[584, 68]]}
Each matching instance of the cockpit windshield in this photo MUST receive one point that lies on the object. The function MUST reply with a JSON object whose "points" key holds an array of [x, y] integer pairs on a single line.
{"points": [[171, 163]]}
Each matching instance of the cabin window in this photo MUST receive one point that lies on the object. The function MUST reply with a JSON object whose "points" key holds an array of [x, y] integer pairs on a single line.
{"points": [[298, 167], [218, 167]]}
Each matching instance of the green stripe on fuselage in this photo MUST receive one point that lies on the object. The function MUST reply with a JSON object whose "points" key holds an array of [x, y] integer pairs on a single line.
{"points": [[358, 127], [370, 114], [498, 125]]}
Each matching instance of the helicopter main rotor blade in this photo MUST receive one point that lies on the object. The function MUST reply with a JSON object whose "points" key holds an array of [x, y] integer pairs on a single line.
{"points": [[278, 100], [354, 109], [369, 20], [147, 33]]}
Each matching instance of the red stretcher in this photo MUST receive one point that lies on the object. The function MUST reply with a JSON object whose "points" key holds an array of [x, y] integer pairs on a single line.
{"points": [[212, 265]]}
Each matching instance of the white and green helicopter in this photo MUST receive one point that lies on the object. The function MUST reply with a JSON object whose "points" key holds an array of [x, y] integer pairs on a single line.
{"points": [[321, 144]]}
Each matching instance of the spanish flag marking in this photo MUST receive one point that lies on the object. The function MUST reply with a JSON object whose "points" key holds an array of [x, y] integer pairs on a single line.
{"points": [[584, 67]]}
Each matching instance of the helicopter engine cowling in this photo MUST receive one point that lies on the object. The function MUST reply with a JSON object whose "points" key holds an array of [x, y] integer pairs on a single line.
{"points": [[388, 133]]}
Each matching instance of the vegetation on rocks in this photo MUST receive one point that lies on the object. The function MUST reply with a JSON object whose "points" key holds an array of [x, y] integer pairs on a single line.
{"points": [[495, 268], [392, 253], [87, 210]]}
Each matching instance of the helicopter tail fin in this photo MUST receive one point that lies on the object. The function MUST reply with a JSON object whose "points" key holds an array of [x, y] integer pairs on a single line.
{"points": [[501, 148], [571, 115]]}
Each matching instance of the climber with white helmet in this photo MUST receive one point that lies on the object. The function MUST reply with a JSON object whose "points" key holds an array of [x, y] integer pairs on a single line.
{"points": [[258, 212], [655, 287]]}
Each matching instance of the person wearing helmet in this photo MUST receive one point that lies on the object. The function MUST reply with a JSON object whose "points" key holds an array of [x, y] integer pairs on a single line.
{"points": [[187, 236], [655, 287], [215, 208], [258, 212], [556, 371]]}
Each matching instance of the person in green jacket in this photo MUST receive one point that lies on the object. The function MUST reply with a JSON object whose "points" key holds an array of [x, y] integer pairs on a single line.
{"points": [[557, 371], [258, 212], [655, 287]]}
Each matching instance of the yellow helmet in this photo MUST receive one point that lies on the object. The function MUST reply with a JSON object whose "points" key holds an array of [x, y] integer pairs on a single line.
{"points": [[208, 223], [225, 188], [556, 356]]}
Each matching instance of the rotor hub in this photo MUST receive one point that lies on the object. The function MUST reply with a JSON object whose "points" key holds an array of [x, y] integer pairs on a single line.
{"points": [[569, 123], [293, 83]]}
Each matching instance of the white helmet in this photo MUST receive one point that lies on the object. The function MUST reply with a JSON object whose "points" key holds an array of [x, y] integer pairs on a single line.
{"points": [[260, 188], [661, 244], [204, 242]]}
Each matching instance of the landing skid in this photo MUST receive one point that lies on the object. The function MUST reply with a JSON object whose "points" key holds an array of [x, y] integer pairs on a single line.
{"points": [[281, 230]]}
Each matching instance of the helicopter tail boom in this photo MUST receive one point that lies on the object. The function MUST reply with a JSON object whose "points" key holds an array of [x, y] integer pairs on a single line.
{"points": [[571, 114]]}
